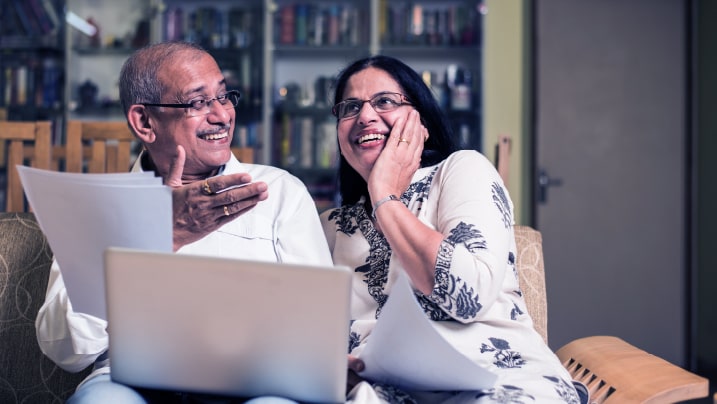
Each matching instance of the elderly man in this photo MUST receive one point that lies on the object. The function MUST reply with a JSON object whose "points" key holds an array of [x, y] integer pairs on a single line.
{"points": [[178, 105]]}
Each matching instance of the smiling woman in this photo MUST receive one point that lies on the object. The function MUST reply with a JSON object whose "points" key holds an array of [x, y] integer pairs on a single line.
{"points": [[412, 203]]}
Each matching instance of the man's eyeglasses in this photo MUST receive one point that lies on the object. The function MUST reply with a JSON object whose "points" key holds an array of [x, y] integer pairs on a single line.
{"points": [[202, 106], [381, 102]]}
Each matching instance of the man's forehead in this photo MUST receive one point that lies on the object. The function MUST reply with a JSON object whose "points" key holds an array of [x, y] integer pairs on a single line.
{"points": [[191, 77]]}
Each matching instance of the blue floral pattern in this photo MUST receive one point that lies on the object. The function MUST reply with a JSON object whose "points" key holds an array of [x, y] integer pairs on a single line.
{"points": [[504, 356], [354, 340], [450, 292], [565, 390], [507, 394], [501, 201], [392, 394], [515, 312], [459, 299]]}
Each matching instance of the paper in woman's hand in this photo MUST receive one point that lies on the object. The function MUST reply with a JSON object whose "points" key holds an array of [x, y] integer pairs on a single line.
{"points": [[405, 350]]}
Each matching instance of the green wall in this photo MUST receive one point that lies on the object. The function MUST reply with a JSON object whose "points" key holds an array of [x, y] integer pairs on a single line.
{"points": [[506, 94]]}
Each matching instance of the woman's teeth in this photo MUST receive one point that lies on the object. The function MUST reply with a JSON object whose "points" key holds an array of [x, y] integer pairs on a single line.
{"points": [[370, 137]]}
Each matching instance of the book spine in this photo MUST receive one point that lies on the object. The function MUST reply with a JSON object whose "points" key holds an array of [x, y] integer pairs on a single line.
{"points": [[326, 147], [19, 96], [334, 25], [383, 22], [301, 24], [307, 139], [7, 96], [51, 14], [287, 23], [314, 26], [3, 83], [52, 77], [416, 24], [30, 92], [20, 11], [174, 24], [40, 16], [355, 26]]}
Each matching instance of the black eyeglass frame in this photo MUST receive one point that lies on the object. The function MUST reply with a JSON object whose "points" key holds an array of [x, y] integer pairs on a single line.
{"points": [[335, 109], [208, 102]]}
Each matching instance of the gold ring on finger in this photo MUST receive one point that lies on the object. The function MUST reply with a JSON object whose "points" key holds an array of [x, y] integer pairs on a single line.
{"points": [[404, 140], [226, 210], [207, 188]]}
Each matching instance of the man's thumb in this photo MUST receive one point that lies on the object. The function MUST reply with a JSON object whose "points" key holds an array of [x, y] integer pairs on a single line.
{"points": [[174, 178]]}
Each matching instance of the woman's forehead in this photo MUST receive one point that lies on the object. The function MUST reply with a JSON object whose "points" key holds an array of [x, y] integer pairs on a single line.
{"points": [[369, 82]]}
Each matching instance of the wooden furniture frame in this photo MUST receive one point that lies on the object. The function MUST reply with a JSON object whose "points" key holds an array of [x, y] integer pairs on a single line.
{"points": [[613, 370], [244, 154], [19, 136], [97, 147]]}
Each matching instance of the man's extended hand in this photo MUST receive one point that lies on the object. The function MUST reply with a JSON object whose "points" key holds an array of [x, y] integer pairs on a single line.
{"points": [[198, 209]]}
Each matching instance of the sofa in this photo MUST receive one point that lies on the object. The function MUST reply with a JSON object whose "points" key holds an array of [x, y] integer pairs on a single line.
{"points": [[613, 370], [26, 375]]}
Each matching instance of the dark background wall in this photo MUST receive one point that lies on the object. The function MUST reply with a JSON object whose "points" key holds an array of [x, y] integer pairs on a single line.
{"points": [[705, 95]]}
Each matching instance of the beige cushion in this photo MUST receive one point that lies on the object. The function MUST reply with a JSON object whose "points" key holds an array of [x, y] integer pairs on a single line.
{"points": [[531, 273]]}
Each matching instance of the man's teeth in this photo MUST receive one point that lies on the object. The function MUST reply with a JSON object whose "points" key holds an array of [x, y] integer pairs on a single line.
{"points": [[371, 136], [214, 136]]}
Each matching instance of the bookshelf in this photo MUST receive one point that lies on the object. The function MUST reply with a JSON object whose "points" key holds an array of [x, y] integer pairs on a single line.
{"points": [[281, 54], [310, 41], [233, 32], [94, 60], [32, 56]]}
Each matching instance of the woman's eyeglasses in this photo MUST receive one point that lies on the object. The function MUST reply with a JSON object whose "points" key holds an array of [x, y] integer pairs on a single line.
{"points": [[202, 106], [381, 102]]}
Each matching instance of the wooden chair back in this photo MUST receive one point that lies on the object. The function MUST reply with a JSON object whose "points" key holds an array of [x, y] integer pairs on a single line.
{"points": [[98, 147], [613, 370], [617, 372], [244, 154], [17, 136]]}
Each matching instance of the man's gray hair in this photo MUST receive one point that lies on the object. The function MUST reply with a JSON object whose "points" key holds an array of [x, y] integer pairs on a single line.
{"points": [[139, 83]]}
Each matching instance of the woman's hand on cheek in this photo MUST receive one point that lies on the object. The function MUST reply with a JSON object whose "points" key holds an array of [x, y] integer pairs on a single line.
{"points": [[400, 158]]}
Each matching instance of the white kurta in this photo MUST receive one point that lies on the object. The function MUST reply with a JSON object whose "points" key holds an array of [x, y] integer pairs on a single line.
{"points": [[476, 303], [283, 228]]}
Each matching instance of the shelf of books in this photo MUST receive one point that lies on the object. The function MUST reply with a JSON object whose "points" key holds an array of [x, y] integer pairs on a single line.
{"points": [[233, 33], [283, 55], [312, 40], [32, 61]]}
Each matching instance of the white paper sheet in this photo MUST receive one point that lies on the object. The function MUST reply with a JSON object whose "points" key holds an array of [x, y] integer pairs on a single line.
{"points": [[83, 214], [405, 350]]}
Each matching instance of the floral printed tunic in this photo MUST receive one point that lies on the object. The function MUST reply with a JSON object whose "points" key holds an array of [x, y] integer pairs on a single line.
{"points": [[476, 303]]}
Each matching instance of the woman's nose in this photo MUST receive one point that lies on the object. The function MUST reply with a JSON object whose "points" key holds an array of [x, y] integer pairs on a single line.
{"points": [[367, 113]]}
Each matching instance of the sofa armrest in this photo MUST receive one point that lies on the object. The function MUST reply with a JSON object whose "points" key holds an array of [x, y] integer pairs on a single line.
{"points": [[618, 372]]}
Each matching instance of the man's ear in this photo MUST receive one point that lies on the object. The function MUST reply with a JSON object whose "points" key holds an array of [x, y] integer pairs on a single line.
{"points": [[138, 119]]}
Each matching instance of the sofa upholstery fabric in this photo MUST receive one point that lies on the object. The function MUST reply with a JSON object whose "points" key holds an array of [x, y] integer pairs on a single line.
{"points": [[26, 375]]}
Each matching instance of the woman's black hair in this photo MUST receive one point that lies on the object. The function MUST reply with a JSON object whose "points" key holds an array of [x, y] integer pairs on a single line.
{"points": [[441, 142]]}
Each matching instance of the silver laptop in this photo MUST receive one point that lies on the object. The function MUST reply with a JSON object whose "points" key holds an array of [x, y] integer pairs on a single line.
{"points": [[230, 327]]}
